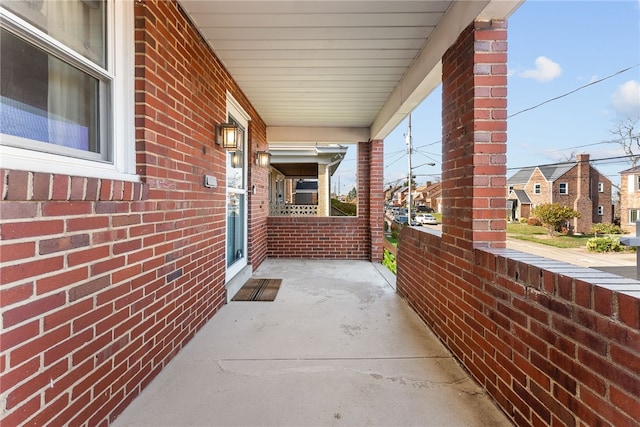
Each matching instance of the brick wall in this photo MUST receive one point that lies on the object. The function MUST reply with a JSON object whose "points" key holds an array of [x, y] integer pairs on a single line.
{"points": [[104, 281], [628, 200], [552, 344], [357, 237], [550, 348]]}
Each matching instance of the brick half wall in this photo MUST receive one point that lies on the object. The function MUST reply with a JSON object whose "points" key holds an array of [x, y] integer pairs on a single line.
{"points": [[318, 238], [341, 237], [552, 343]]}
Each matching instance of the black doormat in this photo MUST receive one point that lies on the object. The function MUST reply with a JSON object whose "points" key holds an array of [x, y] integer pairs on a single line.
{"points": [[258, 290]]}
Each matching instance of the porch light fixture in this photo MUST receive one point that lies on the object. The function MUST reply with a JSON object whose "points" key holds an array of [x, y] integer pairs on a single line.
{"points": [[263, 158], [227, 135]]}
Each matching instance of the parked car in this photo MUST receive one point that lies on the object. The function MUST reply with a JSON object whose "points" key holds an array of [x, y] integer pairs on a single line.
{"points": [[426, 219], [427, 209], [401, 219]]}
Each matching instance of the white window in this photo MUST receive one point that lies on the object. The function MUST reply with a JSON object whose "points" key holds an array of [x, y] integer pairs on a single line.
{"points": [[66, 104], [563, 188], [601, 187], [536, 188], [634, 215], [637, 182], [600, 210]]}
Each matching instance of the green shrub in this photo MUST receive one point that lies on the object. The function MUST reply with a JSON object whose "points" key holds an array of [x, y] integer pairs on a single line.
{"points": [[604, 244], [602, 228], [534, 221], [389, 261]]}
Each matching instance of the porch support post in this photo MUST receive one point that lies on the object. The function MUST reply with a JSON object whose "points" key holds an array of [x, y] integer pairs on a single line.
{"points": [[371, 193], [324, 189], [474, 112]]}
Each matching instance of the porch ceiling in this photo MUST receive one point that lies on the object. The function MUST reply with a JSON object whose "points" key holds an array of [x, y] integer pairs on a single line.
{"points": [[336, 71]]}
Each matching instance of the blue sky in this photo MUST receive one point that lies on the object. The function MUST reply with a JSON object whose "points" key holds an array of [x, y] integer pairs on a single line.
{"points": [[555, 47]]}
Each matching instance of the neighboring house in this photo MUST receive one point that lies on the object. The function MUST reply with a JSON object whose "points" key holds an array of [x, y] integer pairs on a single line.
{"points": [[389, 194], [301, 172], [575, 184], [518, 205], [430, 195], [400, 196], [630, 198]]}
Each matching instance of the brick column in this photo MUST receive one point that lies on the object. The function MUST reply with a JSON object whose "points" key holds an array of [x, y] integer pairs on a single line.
{"points": [[370, 194], [376, 198], [474, 103]]}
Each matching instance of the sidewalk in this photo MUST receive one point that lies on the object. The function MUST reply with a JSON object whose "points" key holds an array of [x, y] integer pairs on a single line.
{"points": [[338, 347], [622, 264]]}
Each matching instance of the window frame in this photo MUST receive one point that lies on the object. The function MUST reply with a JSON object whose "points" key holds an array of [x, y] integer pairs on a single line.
{"points": [[629, 215], [537, 188], [600, 187], [116, 103], [600, 210], [566, 188]]}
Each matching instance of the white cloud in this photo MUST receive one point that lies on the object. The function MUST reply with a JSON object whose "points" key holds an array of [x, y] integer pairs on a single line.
{"points": [[545, 71], [626, 99]]}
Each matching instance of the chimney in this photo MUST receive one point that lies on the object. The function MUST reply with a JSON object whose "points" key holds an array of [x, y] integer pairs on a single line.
{"points": [[583, 203]]}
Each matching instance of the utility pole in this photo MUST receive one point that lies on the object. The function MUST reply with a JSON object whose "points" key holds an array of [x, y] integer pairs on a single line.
{"points": [[409, 151]]}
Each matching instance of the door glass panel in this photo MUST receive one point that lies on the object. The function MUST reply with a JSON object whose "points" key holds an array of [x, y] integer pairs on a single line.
{"points": [[235, 227]]}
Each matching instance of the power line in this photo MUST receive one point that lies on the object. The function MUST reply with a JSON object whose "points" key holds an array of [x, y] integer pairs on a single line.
{"points": [[571, 162], [573, 91]]}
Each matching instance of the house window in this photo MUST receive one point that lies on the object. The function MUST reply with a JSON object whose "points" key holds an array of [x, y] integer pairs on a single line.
{"points": [[536, 189], [601, 187], [637, 182], [634, 215], [563, 188], [61, 95], [600, 210]]}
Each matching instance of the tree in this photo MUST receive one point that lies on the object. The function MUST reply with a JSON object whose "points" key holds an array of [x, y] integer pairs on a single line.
{"points": [[628, 140], [352, 194], [553, 215]]}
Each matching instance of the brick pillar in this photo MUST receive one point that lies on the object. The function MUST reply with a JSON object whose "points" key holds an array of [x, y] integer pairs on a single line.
{"points": [[583, 203], [376, 198], [370, 194], [474, 111]]}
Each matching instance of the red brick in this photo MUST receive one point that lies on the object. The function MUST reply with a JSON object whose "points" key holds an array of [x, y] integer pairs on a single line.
{"points": [[64, 243], [16, 251], [90, 255], [87, 223], [18, 185], [20, 230], [41, 186], [88, 288], [60, 187], [629, 310], [59, 208], [18, 210], [15, 294], [32, 309]]}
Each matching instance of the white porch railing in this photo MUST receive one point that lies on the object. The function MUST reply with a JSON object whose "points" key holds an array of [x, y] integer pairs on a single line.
{"points": [[284, 209]]}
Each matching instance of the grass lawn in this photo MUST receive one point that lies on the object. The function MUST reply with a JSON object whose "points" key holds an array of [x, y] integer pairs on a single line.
{"points": [[539, 234]]}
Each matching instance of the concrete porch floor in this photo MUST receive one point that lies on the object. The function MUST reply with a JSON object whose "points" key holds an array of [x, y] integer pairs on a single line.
{"points": [[338, 347]]}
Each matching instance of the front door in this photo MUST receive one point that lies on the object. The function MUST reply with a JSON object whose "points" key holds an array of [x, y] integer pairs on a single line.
{"points": [[236, 247]]}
